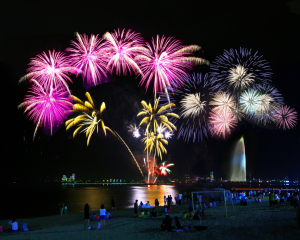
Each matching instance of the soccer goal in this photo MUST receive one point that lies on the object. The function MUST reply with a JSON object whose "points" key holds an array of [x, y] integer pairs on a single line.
{"points": [[213, 198]]}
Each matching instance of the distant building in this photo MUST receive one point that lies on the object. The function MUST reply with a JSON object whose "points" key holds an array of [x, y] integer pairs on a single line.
{"points": [[70, 179]]}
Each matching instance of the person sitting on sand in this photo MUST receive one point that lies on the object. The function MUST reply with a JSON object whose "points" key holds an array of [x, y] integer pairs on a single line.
{"points": [[154, 213], [142, 213], [184, 214], [197, 215], [177, 223], [167, 223], [147, 204], [14, 224], [147, 214], [141, 204], [108, 216]]}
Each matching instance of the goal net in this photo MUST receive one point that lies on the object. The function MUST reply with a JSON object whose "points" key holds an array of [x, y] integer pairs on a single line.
{"points": [[213, 198]]}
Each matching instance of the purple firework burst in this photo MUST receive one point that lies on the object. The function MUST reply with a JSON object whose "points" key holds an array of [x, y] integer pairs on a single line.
{"points": [[50, 70], [89, 56], [46, 107], [286, 117]]}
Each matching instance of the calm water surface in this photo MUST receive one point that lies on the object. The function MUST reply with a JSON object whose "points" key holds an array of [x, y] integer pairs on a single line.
{"points": [[43, 201]]}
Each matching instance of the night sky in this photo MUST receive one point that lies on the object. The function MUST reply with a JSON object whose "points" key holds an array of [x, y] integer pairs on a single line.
{"points": [[270, 27]]}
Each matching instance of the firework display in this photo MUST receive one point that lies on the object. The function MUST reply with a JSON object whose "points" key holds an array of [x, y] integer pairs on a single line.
{"points": [[89, 56], [122, 49], [222, 122], [166, 62], [236, 70], [164, 168], [238, 86], [89, 119], [192, 101], [286, 117], [155, 115], [46, 107], [50, 70]]}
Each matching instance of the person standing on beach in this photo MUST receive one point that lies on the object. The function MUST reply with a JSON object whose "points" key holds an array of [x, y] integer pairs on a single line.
{"points": [[102, 216], [61, 207], [180, 198], [113, 207], [136, 207], [272, 201], [87, 217]]}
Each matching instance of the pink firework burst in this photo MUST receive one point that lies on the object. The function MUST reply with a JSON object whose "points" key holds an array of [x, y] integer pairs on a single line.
{"points": [[88, 55], [166, 62], [286, 117], [50, 70], [222, 122], [46, 107], [122, 48]]}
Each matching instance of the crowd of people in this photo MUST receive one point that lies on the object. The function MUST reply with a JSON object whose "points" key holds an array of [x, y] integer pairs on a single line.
{"points": [[102, 216]]}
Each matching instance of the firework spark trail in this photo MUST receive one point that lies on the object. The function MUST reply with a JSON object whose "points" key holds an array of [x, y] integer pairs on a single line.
{"points": [[46, 107], [236, 70], [166, 62], [286, 117], [122, 49], [119, 137], [89, 55], [222, 122], [192, 100], [50, 71]]}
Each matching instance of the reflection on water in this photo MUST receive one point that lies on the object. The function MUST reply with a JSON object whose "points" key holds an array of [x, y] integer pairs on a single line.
{"points": [[124, 196], [20, 201], [151, 192]]}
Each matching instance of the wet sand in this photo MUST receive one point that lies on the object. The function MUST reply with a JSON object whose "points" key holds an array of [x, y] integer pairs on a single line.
{"points": [[255, 221]]}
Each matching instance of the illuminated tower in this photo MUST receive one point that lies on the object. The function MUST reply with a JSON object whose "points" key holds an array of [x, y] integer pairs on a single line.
{"points": [[238, 162]]}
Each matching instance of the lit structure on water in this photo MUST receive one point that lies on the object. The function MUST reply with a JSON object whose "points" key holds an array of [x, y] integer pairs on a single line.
{"points": [[238, 162]]}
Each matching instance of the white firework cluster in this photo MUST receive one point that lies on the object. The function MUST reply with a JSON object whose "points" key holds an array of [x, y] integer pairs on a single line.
{"points": [[192, 104]]}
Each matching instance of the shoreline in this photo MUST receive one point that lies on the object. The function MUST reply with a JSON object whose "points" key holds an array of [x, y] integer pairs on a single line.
{"points": [[253, 221]]}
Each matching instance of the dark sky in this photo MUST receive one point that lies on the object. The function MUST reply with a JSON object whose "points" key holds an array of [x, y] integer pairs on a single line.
{"points": [[270, 27]]}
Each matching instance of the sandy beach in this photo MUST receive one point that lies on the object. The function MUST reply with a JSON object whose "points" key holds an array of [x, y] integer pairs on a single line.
{"points": [[255, 221]]}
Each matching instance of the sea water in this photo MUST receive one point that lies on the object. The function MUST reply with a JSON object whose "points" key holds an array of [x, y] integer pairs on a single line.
{"points": [[38, 201]]}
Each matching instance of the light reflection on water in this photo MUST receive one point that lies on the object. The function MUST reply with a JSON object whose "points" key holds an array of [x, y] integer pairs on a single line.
{"points": [[125, 196], [45, 199]]}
